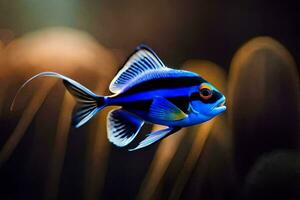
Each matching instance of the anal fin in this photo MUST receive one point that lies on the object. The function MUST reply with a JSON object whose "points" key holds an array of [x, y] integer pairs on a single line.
{"points": [[156, 136], [122, 127]]}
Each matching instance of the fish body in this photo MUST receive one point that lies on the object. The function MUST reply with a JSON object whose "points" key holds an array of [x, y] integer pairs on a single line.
{"points": [[175, 86], [146, 91]]}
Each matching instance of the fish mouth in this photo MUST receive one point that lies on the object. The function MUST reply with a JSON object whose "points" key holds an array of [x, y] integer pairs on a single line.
{"points": [[220, 106]]}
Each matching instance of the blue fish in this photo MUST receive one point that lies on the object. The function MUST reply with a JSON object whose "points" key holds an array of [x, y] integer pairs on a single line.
{"points": [[146, 91]]}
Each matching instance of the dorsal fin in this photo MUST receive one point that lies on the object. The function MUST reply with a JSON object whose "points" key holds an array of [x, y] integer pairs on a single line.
{"points": [[141, 61]]}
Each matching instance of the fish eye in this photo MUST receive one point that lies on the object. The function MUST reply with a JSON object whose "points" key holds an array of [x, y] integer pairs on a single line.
{"points": [[205, 92]]}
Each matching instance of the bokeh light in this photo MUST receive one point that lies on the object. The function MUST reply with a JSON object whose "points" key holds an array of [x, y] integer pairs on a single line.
{"points": [[248, 50]]}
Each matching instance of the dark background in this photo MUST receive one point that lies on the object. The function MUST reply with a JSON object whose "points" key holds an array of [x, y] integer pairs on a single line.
{"points": [[178, 31]]}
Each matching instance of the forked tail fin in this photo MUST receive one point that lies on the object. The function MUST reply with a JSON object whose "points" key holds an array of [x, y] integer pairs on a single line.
{"points": [[88, 103]]}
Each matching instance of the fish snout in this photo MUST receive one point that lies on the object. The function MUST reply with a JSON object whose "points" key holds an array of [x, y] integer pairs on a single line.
{"points": [[219, 106]]}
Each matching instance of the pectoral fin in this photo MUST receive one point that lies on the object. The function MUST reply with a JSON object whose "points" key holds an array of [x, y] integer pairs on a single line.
{"points": [[155, 136], [163, 109]]}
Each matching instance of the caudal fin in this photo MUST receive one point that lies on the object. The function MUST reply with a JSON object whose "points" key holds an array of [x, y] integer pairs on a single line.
{"points": [[88, 103]]}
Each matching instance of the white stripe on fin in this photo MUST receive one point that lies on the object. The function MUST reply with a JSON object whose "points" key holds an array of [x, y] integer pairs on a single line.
{"points": [[155, 136], [122, 127], [141, 61]]}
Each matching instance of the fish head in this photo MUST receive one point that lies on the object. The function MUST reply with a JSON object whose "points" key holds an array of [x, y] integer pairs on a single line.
{"points": [[206, 101]]}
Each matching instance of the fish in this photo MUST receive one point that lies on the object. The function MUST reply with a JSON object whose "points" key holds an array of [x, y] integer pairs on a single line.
{"points": [[145, 91]]}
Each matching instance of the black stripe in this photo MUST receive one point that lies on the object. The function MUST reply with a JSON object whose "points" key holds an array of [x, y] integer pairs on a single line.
{"points": [[140, 63], [164, 83], [142, 105], [150, 62], [182, 102]]}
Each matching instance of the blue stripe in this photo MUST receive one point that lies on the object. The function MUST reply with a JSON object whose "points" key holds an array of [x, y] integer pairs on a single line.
{"points": [[161, 78], [148, 95]]}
